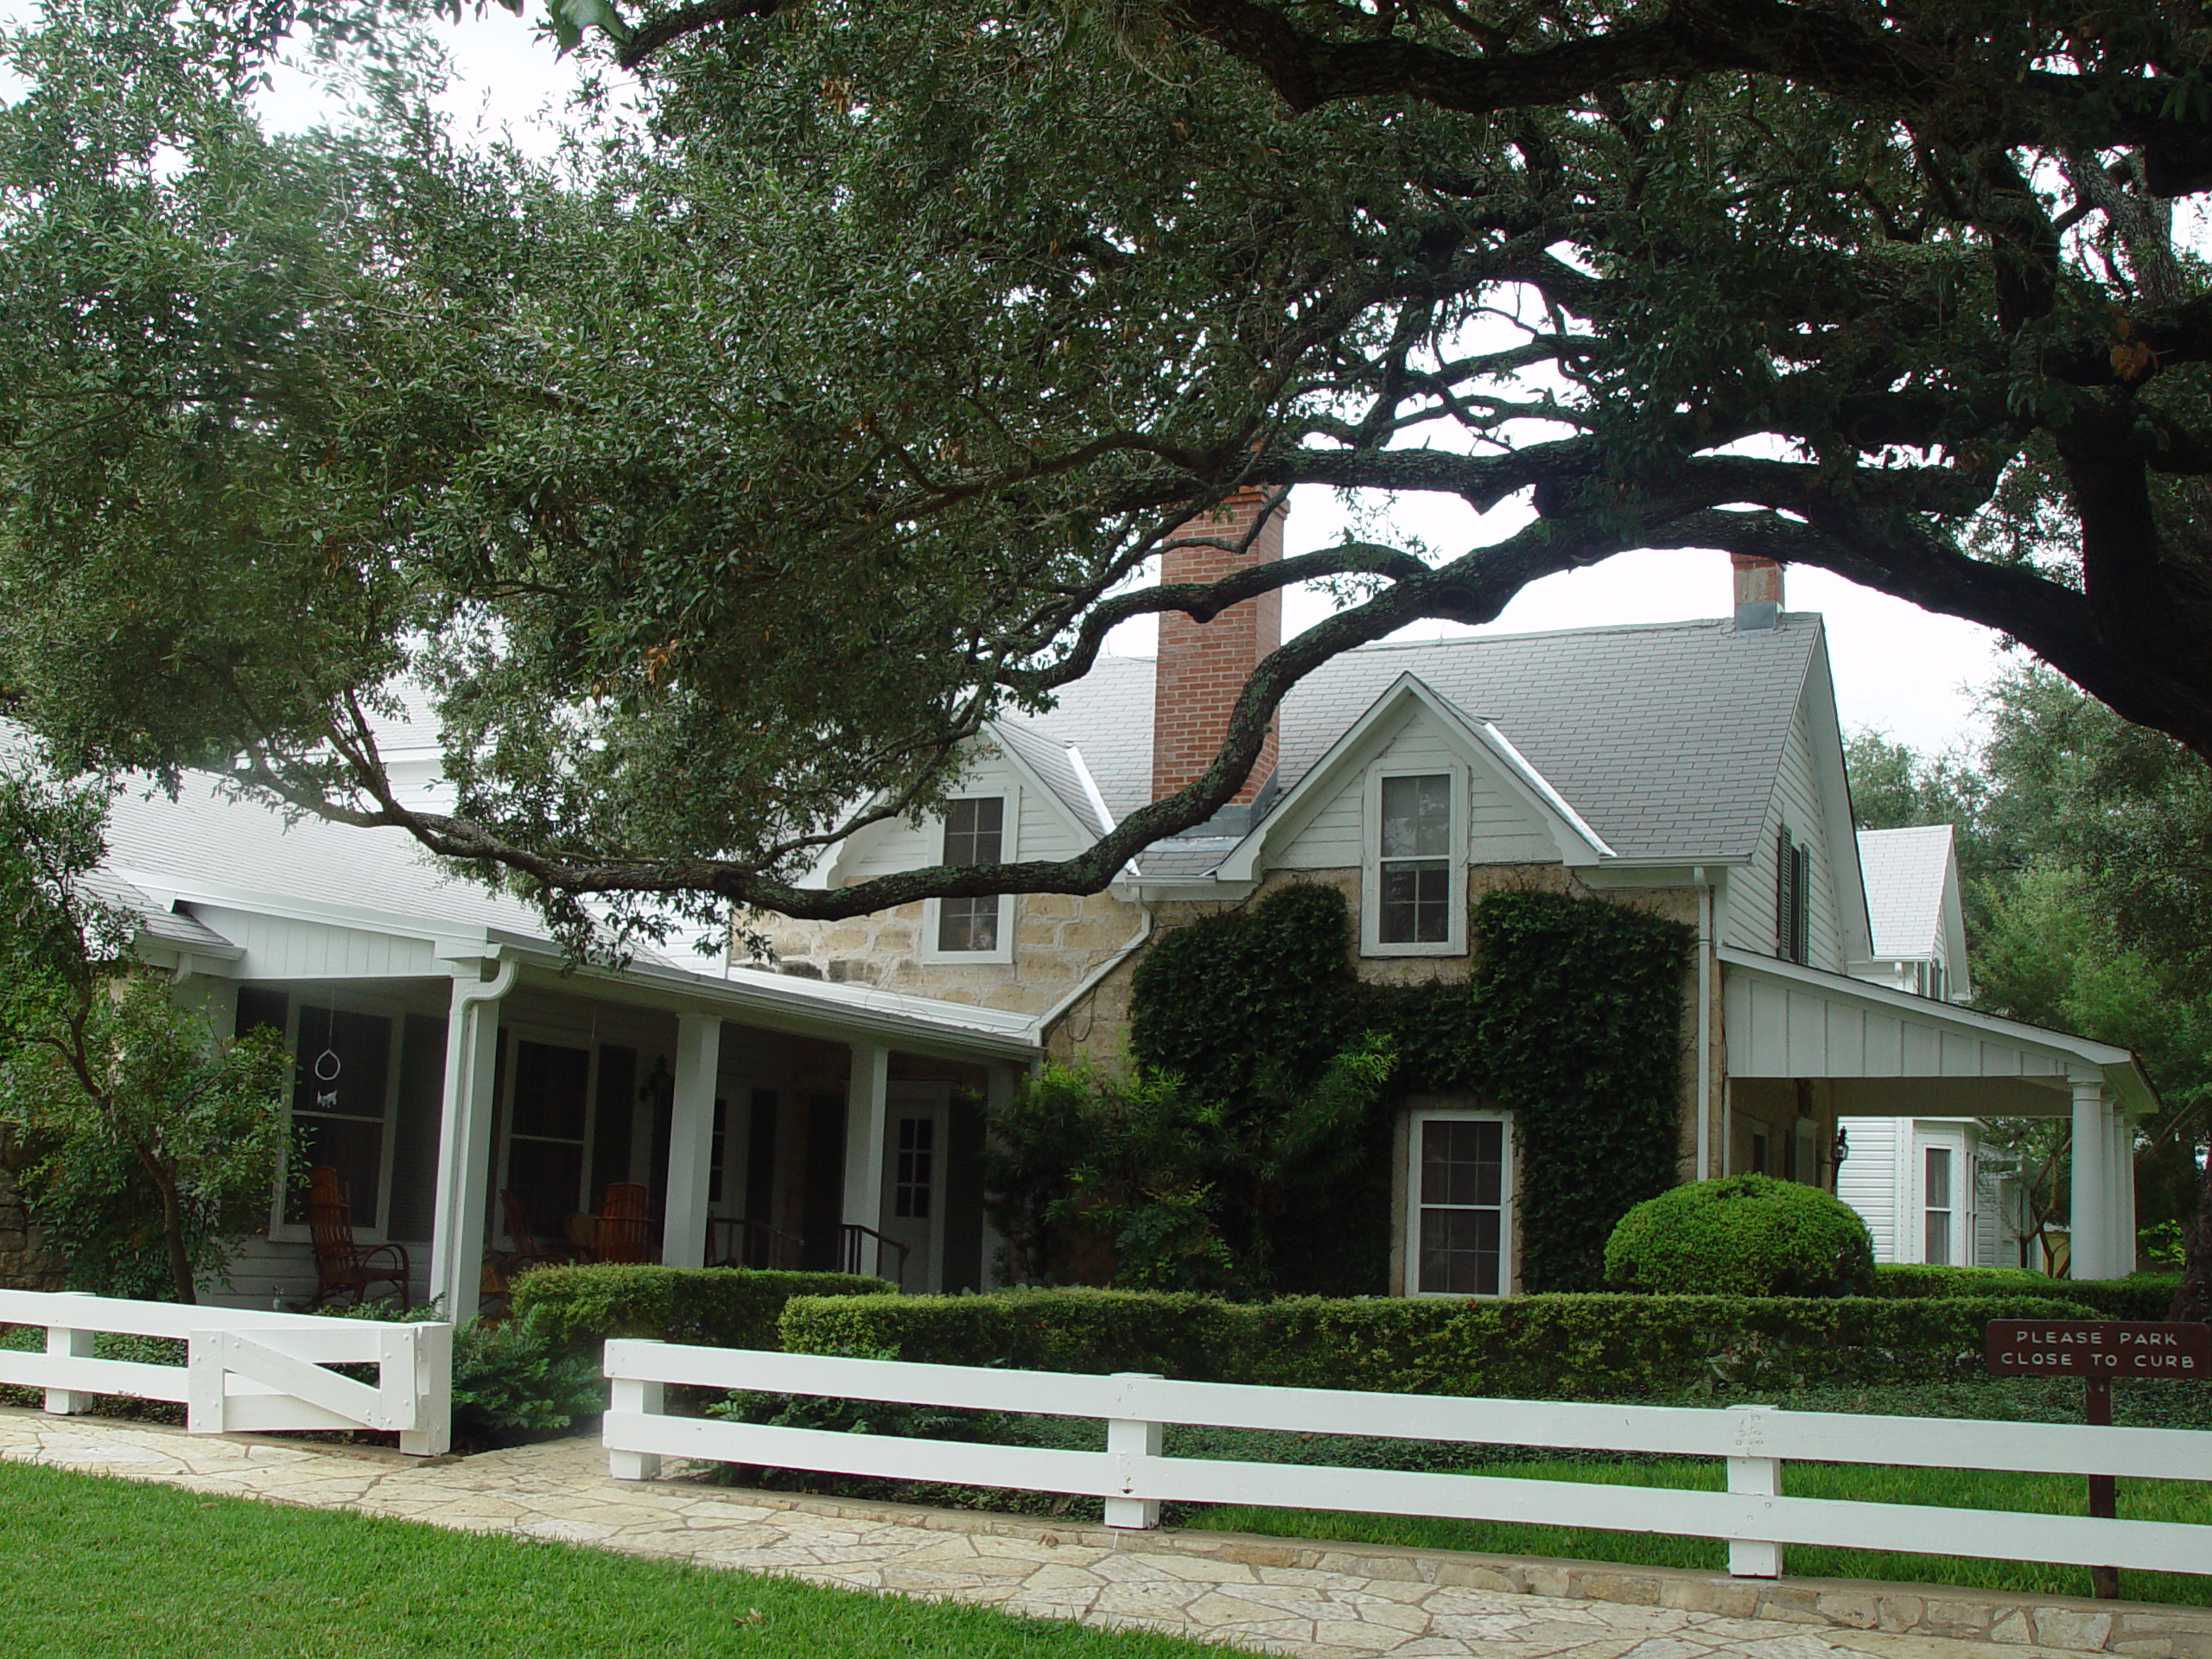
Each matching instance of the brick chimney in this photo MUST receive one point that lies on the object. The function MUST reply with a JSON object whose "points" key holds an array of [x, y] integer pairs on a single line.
{"points": [[1203, 666], [1758, 592]]}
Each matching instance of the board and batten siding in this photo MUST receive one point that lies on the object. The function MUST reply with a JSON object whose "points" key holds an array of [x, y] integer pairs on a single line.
{"points": [[1500, 829], [277, 947], [1796, 803]]}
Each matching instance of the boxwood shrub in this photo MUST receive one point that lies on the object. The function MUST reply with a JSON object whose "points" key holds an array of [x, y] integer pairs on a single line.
{"points": [[718, 1307], [1568, 1346], [1742, 1236], [2140, 1296]]}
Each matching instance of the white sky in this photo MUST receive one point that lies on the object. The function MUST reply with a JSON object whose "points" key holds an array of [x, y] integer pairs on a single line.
{"points": [[1898, 668]]}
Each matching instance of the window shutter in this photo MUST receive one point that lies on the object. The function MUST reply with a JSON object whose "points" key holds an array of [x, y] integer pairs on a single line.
{"points": [[1800, 918], [1785, 897]]}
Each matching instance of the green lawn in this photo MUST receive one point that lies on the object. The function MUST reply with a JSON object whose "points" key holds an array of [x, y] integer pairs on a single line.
{"points": [[97, 1567], [2142, 1500]]}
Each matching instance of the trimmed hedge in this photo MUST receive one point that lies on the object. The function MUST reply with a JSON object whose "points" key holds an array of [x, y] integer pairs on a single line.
{"points": [[717, 1307], [2143, 1296], [1571, 1346], [1742, 1236]]}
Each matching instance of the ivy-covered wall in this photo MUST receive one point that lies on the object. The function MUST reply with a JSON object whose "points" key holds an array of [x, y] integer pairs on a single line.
{"points": [[1572, 1019]]}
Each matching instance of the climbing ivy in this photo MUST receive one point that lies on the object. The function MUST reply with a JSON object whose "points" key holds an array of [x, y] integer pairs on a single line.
{"points": [[1572, 1020]]}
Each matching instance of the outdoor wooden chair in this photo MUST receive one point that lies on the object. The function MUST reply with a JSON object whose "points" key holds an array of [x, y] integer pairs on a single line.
{"points": [[342, 1267], [527, 1251], [625, 1232]]}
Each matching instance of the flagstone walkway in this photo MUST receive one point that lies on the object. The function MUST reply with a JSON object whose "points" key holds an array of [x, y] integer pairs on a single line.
{"points": [[1334, 1602]]}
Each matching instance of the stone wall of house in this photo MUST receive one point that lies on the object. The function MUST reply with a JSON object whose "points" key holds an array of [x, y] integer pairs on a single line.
{"points": [[1059, 939], [25, 1263]]}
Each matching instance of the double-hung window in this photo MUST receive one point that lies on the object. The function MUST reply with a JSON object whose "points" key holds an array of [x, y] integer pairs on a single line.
{"points": [[1458, 1204], [977, 929], [343, 1101], [1937, 1207], [1415, 891]]}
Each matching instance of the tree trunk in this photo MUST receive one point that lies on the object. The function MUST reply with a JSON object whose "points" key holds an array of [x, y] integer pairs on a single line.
{"points": [[2193, 1299], [173, 1241]]}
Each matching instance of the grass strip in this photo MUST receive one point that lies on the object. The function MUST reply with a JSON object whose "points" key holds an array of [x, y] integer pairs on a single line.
{"points": [[1973, 1489], [97, 1567]]}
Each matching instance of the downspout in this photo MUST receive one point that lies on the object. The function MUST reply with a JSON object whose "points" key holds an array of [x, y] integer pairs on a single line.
{"points": [[1704, 1023], [1091, 981]]}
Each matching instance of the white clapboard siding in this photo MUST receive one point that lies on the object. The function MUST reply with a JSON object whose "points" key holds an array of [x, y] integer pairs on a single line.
{"points": [[1755, 1514], [1797, 803], [1867, 1180], [1500, 829]]}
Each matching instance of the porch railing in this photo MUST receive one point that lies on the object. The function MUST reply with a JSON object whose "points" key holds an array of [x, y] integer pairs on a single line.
{"points": [[740, 1242], [243, 1369], [1753, 1514], [863, 1253]]}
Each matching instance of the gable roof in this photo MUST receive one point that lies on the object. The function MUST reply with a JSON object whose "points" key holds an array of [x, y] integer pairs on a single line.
{"points": [[1906, 872], [1665, 738]]}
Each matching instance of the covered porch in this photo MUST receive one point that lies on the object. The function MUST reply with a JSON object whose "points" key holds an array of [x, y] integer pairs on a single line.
{"points": [[471, 1086], [1874, 1051]]}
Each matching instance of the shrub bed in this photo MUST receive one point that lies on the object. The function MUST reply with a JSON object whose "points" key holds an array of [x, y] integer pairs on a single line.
{"points": [[718, 1307], [2141, 1296], [1742, 1236], [1529, 1347]]}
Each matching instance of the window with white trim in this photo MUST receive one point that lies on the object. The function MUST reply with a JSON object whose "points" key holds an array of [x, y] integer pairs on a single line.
{"points": [[1415, 893], [1937, 1206], [977, 830], [1458, 1204], [345, 1091]]}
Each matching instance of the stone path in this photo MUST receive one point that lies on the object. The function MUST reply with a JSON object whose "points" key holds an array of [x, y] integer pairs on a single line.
{"points": [[1336, 1601]]}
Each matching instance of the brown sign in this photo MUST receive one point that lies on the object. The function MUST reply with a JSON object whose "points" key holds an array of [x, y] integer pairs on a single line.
{"points": [[2097, 1348]]}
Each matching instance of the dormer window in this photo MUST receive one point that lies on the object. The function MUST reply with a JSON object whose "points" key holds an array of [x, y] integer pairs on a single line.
{"points": [[971, 929], [1416, 884], [1793, 899]]}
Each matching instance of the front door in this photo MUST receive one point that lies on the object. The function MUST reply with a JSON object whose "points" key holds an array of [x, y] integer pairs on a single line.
{"points": [[913, 1183]]}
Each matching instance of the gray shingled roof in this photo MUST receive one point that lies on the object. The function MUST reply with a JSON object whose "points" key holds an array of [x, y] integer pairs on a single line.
{"points": [[156, 920], [1049, 761], [1665, 736], [1904, 870]]}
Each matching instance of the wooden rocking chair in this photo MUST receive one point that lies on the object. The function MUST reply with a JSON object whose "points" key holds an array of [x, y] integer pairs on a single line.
{"points": [[623, 1233], [343, 1267]]}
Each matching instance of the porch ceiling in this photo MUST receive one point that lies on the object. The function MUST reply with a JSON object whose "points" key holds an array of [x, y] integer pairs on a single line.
{"points": [[1893, 1054]]}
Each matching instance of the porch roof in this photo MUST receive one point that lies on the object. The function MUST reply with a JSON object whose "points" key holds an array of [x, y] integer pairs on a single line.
{"points": [[232, 883], [1891, 1053]]}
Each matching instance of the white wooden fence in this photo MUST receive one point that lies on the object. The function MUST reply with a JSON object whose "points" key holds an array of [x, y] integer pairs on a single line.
{"points": [[244, 1370], [1134, 1477]]}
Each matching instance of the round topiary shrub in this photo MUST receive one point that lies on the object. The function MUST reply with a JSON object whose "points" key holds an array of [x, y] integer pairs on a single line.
{"points": [[1742, 1236]]}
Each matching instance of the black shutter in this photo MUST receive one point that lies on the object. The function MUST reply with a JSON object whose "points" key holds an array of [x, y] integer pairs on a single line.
{"points": [[1801, 920], [1785, 897]]}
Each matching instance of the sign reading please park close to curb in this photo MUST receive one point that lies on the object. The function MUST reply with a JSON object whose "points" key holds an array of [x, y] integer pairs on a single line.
{"points": [[2097, 1348]]}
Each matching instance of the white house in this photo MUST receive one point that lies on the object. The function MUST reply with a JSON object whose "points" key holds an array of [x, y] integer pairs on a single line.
{"points": [[1929, 1187], [831, 1108]]}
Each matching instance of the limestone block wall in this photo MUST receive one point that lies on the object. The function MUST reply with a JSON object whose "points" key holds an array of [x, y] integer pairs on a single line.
{"points": [[1058, 938]]}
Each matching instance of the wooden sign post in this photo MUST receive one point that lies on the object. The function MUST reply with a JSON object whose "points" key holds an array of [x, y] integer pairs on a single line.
{"points": [[2097, 1351]]}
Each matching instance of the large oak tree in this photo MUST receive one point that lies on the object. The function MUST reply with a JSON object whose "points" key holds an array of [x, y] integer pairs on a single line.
{"points": [[721, 480]]}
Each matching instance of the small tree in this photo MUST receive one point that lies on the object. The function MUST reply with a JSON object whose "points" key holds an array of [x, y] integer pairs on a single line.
{"points": [[145, 1143]]}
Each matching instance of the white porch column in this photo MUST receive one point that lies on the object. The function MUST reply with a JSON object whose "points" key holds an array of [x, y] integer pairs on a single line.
{"points": [[691, 1139], [2090, 1236], [465, 1137], [866, 1106], [2123, 1194]]}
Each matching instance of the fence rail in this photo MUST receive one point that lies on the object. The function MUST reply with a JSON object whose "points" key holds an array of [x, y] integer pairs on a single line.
{"points": [[1754, 1515], [244, 1370]]}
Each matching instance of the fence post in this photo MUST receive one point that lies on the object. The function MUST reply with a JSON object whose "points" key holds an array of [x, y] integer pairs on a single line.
{"points": [[63, 1343], [1126, 1440], [203, 1365], [428, 1377], [645, 1399], [1753, 1477]]}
